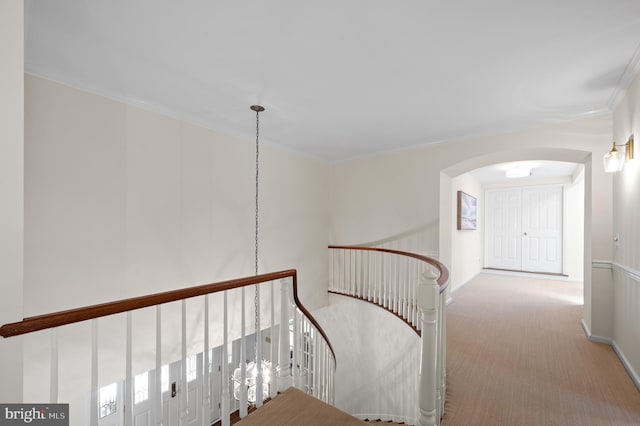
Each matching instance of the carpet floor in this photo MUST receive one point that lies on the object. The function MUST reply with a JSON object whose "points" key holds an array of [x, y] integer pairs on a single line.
{"points": [[517, 355], [295, 408]]}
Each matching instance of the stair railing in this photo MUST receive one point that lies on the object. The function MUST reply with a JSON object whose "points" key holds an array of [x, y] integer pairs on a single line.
{"points": [[300, 352], [412, 287]]}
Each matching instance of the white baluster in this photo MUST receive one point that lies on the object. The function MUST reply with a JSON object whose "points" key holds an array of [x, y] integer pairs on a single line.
{"points": [[442, 358], [396, 291], [258, 343], [184, 394], [332, 265], [325, 371], [225, 410], [272, 356], [381, 280], [428, 299], [370, 263], [405, 290], [128, 383], [243, 360], [284, 354], [297, 364], [357, 265], [315, 384], [385, 280], [416, 311], [308, 355], [374, 277], [157, 400], [53, 383], [206, 379], [343, 287], [94, 373]]}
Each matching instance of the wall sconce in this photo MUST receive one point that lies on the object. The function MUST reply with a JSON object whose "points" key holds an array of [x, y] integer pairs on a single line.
{"points": [[614, 160]]}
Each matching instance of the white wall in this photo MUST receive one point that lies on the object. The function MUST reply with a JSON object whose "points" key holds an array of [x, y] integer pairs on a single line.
{"points": [[378, 197], [574, 227], [11, 188], [122, 202], [626, 258], [378, 358], [466, 245]]}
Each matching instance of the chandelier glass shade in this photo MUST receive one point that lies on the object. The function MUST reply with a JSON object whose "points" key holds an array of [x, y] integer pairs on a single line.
{"points": [[615, 160], [249, 381]]}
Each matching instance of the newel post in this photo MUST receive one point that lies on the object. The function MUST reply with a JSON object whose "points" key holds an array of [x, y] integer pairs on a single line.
{"points": [[428, 296], [283, 371]]}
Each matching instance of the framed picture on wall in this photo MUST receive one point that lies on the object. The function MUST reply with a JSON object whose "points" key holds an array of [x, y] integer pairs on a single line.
{"points": [[467, 211]]}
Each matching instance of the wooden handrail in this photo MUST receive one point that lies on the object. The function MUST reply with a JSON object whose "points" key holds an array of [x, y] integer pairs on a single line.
{"points": [[57, 319], [311, 318], [443, 279], [395, 314]]}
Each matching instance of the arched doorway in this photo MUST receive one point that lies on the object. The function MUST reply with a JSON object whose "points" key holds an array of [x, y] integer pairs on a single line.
{"points": [[472, 252]]}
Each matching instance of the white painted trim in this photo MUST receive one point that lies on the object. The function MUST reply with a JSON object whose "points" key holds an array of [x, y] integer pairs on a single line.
{"points": [[601, 264], [632, 69], [635, 276], [593, 338], [541, 276], [627, 365], [453, 290], [608, 264], [631, 273]]}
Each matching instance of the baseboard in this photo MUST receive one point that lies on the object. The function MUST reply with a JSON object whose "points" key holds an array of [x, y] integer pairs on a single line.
{"points": [[627, 365], [594, 338], [623, 359], [453, 290]]}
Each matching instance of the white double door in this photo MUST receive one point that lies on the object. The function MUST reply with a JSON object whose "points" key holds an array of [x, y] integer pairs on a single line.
{"points": [[525, 229]]}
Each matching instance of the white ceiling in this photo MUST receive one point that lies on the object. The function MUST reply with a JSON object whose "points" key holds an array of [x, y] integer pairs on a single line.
{"points": [[344, 79]]}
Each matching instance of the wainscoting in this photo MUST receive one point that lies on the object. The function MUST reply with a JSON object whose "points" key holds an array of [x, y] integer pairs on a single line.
{"points": [[626, 317]]}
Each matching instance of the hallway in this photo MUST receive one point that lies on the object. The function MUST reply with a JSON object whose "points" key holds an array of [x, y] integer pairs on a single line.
{"points": [[517, 355]]}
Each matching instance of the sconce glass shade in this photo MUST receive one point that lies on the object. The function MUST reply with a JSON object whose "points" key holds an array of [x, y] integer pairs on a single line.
{"points": [[613, 160], [251, 373]]}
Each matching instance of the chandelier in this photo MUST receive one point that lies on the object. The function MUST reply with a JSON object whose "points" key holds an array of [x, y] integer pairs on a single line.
{"points": [[256, 375], [250, 380]]}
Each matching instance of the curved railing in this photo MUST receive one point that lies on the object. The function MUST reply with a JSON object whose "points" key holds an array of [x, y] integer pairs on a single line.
{"points": [[307, 361], [371, 274], [412, 287]]}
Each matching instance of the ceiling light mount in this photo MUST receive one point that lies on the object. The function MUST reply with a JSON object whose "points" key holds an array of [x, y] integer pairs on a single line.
{"points": [[518, 172], [257, 108]]}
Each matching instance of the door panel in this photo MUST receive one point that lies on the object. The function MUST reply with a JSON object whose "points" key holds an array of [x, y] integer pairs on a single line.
{"points": [[504, 243], [524, 229], [542, 229]]}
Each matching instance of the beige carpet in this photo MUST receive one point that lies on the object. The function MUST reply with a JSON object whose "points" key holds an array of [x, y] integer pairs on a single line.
{"points": [[517, 355], [295, 408]]}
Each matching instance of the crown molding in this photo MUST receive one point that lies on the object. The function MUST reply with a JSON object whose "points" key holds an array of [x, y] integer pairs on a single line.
{"points": [[630, 72]]}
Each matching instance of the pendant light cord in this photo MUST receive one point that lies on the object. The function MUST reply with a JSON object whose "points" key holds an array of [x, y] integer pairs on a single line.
{"points": [[257, 182], [257, 109]]}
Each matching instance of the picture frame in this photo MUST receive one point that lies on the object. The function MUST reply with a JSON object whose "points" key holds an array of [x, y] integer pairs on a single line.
{"points": [[467, 211]]}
